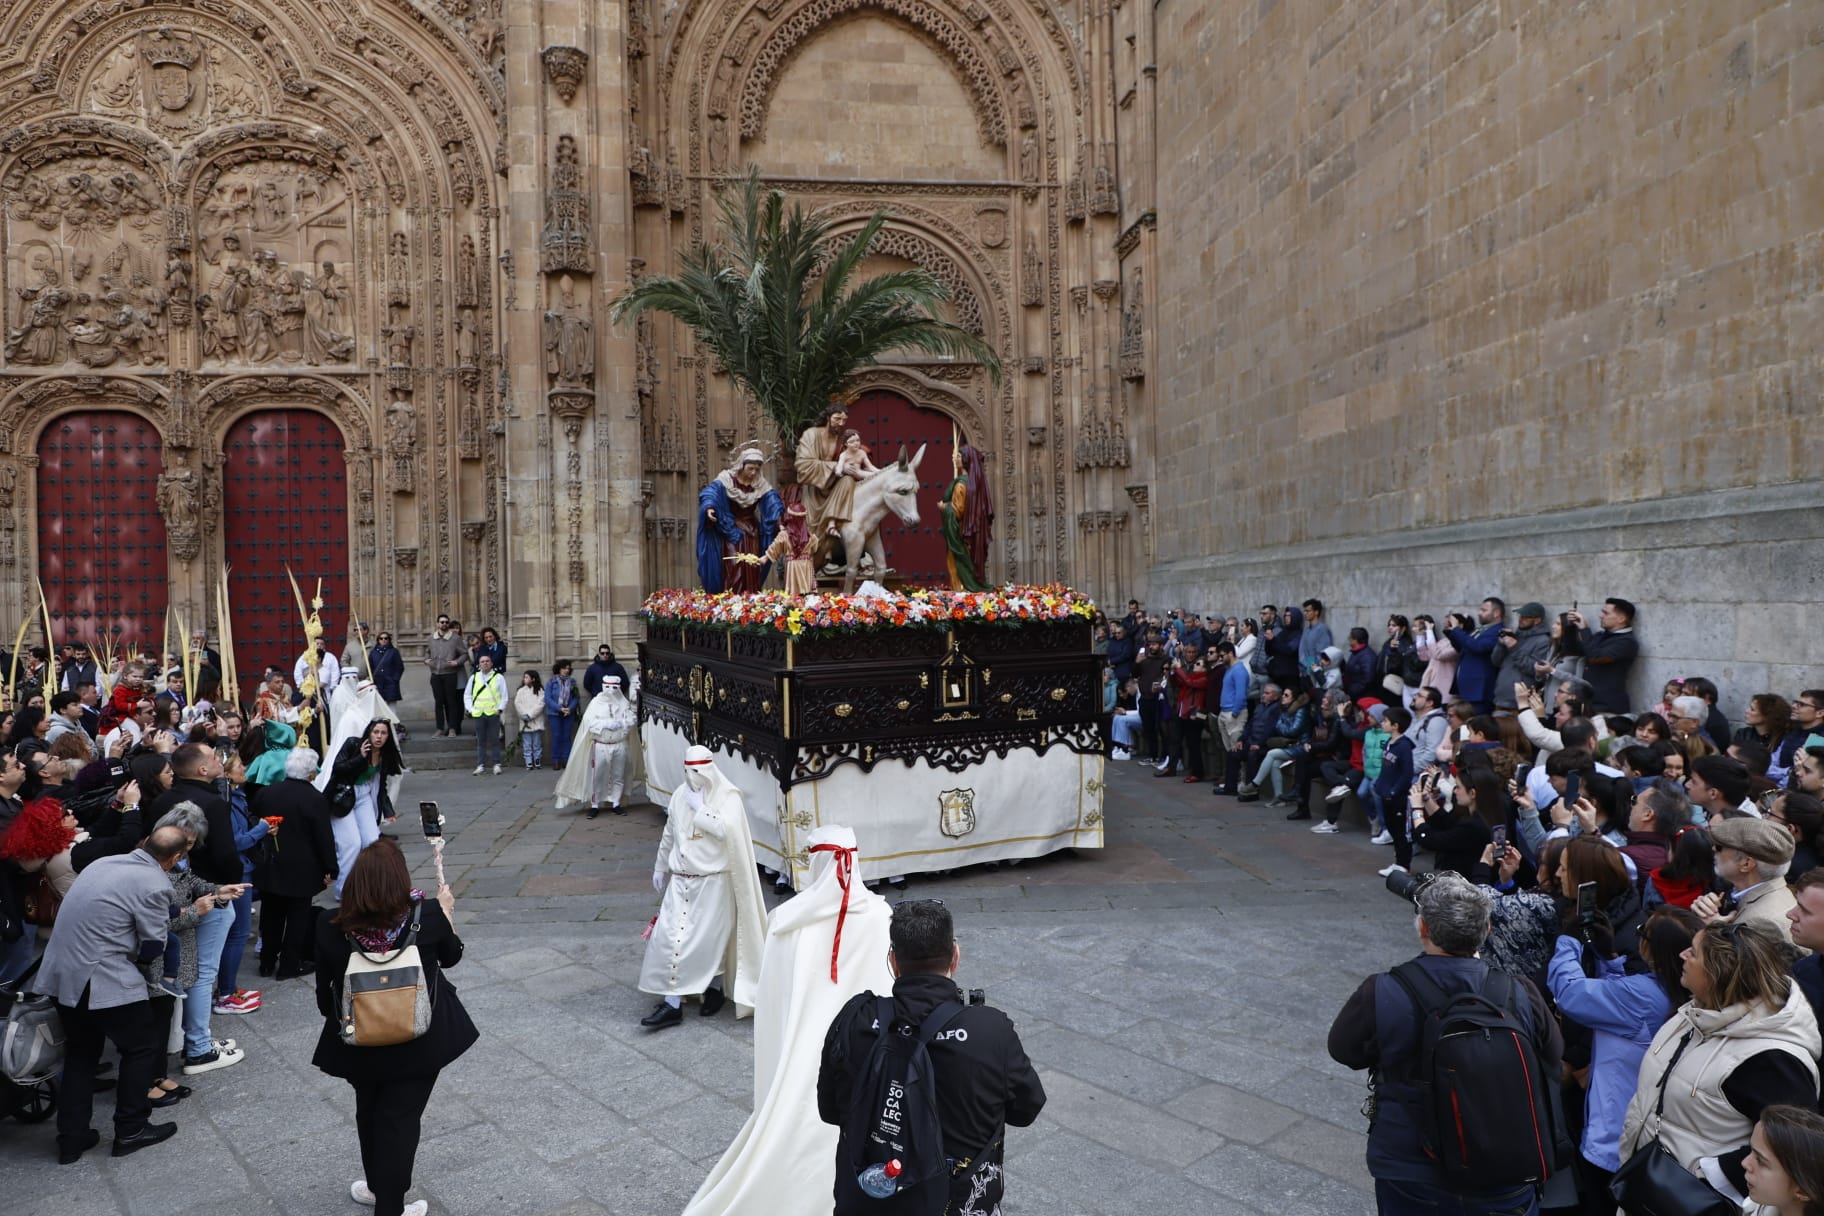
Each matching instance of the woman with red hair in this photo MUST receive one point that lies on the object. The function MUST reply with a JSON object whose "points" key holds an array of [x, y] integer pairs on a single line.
{"points": [[39, 838]]}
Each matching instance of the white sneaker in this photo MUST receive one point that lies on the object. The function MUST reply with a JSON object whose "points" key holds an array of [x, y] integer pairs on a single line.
{"points": [[418, 1208], [360, 1194], [480, 769], [1382, 837], [1337, 793], [497, 770], [226, 1045], [1390, 869], [1120, 753], [1325, 828]]}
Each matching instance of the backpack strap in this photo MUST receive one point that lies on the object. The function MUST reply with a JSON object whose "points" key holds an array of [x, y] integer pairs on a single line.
{"points": [[1427, 997], [1498, 988], [937, 1019]]}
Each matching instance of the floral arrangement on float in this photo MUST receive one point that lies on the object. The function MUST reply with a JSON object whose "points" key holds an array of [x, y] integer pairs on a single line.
{"points": [[918, 608]]}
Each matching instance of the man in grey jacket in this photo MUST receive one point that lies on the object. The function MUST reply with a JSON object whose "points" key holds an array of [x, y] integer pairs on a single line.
{"points": [[448, 659], [1429, 726], [1527, 644], [114, 918]]}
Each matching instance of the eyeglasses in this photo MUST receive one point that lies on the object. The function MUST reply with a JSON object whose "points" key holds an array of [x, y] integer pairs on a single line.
{"points": [[386, 637]]}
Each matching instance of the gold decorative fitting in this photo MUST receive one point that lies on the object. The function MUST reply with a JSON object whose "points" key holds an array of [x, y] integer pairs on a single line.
{"points": [[904, 706], [1006, 698], [1025, 715], [924, 679], [843, 710], [987, 675], [1058, 694], [766, 707], [722, 694]]}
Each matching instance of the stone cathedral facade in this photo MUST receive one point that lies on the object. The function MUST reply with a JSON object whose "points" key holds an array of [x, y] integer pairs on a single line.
{"points": [[325, 286]]}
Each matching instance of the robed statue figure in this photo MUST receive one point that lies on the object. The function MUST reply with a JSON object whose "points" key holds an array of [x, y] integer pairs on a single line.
{"points": [[737, 517], [967, 507]]}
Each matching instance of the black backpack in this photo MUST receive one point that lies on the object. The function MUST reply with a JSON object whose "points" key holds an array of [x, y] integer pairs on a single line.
{"points": [[893, 1116], [1484, 1109]]}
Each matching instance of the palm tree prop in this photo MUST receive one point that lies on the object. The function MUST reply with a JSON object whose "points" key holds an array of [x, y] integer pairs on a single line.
{"points": [[756, 302]]}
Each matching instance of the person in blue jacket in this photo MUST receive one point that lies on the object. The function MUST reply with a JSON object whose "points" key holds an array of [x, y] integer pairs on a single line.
{"points": [[1479, 655], [1623, 1012], [562, 710]]}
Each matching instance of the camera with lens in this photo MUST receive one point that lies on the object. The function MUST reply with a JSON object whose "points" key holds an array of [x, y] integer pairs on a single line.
{"points": [[977, 997], [1407, 886]]}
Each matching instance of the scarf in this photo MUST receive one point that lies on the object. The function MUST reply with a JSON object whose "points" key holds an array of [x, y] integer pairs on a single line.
{"points": [[379, 941]]}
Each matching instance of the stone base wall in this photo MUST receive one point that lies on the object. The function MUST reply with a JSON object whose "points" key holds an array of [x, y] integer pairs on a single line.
{"points": [[1728, 585]]}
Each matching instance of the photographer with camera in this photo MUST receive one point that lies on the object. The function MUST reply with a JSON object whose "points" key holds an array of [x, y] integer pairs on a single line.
{"points": [[980, 1079], [1506, 1134]]}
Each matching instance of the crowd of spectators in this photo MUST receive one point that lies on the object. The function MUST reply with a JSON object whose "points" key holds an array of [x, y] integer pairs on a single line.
{"points": [[1634, 887], [126, 781]]}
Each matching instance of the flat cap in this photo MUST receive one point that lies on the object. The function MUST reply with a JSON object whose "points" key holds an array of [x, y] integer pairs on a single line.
{"points": [[1761, 839]]}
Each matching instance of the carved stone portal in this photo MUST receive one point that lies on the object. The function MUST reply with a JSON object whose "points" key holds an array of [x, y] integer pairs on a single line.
{"points": [[564, 68]]}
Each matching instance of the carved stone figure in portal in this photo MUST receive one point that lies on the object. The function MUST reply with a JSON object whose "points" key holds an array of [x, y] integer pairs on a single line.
{"points": [[569, 341], [737, 516], [181, 502], [33, 336], [321, 341]]}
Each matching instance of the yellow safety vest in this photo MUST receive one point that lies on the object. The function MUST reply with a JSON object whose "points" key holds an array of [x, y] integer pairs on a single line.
{"points": [[486, 702]]}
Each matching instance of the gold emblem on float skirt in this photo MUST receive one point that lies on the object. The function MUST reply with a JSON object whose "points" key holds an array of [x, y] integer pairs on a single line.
{"points": [[956, 812]]}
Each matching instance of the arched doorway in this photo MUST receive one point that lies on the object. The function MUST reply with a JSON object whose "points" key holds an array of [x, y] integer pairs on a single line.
{"points": [[284, 503], [887, 420], [101, 540]]}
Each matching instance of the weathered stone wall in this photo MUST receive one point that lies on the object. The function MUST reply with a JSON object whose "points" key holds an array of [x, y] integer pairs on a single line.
{"points": [[1432, 269]]}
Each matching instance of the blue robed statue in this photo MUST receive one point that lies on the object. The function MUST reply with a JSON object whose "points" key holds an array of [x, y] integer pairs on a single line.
{"points": [[737, 516]]}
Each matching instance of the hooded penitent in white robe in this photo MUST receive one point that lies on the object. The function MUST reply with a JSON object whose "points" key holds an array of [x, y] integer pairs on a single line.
{"points": [[712, 919], [596, 770], [353, 704], [818, 955]]}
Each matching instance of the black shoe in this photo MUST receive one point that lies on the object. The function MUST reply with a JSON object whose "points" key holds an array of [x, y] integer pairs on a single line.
{"points": [[292, 973], [1298, 813], [665, 1015], [171, 1099], [1247, 797], [265, 971], [68, 1154], [145, 1137], [593, 812], [103, 1084], [782, 886], [713, 1000]]}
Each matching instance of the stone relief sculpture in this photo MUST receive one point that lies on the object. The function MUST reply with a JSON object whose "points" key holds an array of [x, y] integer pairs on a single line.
{"points": [[569, 341], [569, 238], [185, 501]]}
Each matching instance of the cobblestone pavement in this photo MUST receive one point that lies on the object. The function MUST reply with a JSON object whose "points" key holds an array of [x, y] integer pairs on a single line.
{"points": [[1174, 990]]}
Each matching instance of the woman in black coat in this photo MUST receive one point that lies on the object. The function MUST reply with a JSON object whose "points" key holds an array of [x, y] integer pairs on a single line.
{"points": [[392, 1084], [300, 862]]}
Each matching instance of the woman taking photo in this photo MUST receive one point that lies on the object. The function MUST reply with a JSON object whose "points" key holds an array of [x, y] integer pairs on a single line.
{"points": [[392, 1085], [1785, 1170], [1745, 1041], [1623, 1012]]}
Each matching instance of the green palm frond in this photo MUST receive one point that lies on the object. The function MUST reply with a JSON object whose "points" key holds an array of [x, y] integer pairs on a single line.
{"points": [[777, 302]]}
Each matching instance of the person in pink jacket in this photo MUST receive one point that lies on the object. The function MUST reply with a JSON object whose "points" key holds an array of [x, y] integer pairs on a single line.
{"points": [[1439, 655]]}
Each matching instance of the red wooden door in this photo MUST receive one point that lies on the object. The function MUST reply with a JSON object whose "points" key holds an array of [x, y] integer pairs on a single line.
{"points": [[887, 420], [284, 503], [101, 540]]}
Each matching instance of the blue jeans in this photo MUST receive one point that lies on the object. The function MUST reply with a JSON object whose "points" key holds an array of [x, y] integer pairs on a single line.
{"points": [[488, 731], [15, 957], [532, 744], [563, 730], [199, 998], [1419, 1199], [236, 945]]}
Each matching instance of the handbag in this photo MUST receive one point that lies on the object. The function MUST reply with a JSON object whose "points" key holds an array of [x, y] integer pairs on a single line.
{"points": [[386, 998], [41, 902], [341, 795], [1653, 1182]]}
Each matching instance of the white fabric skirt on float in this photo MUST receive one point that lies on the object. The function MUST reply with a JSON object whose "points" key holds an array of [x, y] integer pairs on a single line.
{"points": [[690, 939]]}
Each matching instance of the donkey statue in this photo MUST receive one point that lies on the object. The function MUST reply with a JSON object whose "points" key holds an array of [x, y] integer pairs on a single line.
{"points": [[894, 489]]}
